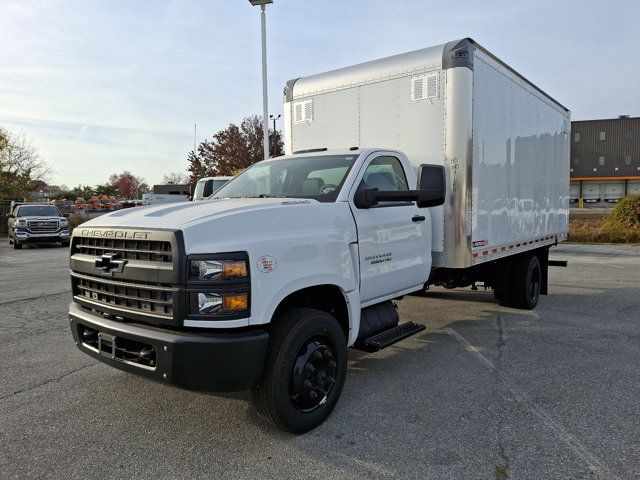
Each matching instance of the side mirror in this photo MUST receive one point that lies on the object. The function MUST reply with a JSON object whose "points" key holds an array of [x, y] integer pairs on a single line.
{"points": [[10, 215], [65, 215], [432, 186], [208, 189], [364, 197]]}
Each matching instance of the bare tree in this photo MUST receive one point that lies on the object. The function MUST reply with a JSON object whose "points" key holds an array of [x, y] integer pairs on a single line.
{"points": [[175, 178], [20, 165]]}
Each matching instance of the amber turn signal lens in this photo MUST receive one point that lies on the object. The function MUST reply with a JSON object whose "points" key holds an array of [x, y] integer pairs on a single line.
{"points": [[234, 303], [234, 269]]}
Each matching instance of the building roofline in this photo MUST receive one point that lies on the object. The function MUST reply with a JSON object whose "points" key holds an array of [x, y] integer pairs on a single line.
{"points": [[626, 177], [606, 119]]}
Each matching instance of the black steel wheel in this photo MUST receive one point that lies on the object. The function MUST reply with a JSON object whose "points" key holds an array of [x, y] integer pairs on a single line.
{"points": [[313, 374], [304, 371]]}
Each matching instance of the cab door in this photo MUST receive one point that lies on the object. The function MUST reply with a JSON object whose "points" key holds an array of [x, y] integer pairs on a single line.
{"points": [[394, 238]]}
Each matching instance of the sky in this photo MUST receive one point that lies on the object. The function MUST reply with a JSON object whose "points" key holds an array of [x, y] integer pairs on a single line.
{"points": [[103, 86]]}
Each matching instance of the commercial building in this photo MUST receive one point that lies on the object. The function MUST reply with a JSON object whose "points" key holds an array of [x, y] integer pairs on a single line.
{"points": [[605, 159]]}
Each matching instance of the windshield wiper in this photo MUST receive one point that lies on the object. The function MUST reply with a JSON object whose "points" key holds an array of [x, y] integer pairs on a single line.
{"points": [[263, 195]]}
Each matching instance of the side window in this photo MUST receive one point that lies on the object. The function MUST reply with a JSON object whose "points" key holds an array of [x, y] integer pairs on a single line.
{"points": [[386, 174]]}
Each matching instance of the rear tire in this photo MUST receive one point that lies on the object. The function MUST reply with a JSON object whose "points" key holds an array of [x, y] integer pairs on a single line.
{"points": [[526, 282], [305, 369]]}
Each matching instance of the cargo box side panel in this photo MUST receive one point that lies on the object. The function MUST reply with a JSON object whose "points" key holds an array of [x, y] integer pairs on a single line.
{"points": [[520, 179], [392, 116], [394, 113], [326, 120]]}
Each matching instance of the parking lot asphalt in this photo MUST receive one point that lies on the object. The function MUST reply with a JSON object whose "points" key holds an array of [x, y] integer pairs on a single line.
{"points": [[485, 392]]}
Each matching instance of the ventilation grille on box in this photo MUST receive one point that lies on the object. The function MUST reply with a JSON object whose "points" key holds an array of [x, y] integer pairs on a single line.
{"points": [[425, 87], [303, 111]]}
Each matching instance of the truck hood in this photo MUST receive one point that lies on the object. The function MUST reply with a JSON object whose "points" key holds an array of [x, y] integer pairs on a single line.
{"points": [[181, 215], [256, 225]]}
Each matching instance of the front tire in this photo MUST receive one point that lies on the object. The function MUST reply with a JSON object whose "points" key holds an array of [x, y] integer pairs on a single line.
{"points": [[305, 370], [16, 245]]}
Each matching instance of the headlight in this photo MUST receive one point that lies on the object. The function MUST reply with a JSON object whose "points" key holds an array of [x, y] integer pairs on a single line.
{"points": [[209, 302], [21, 223], [217, 269], [218, 286], [64, 223]]}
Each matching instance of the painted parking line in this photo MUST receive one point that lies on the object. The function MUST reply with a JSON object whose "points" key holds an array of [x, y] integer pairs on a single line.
{"points": [[594, 463]]}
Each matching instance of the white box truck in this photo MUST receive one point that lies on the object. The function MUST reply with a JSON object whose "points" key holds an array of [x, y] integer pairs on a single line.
{"points": [[441, 166]]}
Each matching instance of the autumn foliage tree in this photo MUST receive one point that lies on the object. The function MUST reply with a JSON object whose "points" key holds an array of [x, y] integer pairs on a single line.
{"points": [[234, 148], [129, 186]]}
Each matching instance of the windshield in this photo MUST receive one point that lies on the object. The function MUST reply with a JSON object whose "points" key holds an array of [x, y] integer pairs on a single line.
{"points": [[38, 211], [317, 177]]}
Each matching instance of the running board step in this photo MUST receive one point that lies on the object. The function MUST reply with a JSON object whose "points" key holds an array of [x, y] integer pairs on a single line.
{"points": [[389, 337]]}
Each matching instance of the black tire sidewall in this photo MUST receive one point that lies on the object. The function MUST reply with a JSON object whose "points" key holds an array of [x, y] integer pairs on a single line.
{"points": [[521, 280], [534, 264], [312, 323]]}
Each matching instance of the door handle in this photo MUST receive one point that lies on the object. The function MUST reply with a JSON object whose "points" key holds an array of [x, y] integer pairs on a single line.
{"points": [[418, 218]]}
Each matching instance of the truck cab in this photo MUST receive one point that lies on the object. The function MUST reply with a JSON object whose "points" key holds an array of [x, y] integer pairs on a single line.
{"points": [[314, 237]]}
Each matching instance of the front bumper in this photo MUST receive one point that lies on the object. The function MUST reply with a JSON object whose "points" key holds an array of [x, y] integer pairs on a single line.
{"points": [[215, 362], [23, 236]]}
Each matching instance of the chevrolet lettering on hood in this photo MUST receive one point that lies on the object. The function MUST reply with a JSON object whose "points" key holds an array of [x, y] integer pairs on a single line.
{"points": [[115, 234]]}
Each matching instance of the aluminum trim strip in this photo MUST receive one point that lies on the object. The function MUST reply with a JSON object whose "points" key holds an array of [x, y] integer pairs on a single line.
{"points": [[237, 323]]}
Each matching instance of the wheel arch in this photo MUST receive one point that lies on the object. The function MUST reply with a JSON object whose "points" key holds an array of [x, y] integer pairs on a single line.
{"points": [[326, 297]]}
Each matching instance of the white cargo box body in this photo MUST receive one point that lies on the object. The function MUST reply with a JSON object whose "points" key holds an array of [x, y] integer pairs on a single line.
{"points": [[504, 143]]}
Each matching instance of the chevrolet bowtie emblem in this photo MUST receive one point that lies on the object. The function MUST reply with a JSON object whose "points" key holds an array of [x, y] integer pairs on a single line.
{"points": [[110, 263]]}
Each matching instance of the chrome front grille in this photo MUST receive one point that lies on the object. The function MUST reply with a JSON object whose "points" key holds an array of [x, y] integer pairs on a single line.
{"points": [[143, 250], [148, 298], [43, 226]]}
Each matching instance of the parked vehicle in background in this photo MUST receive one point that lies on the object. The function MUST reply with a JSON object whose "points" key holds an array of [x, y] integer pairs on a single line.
{"points": [[81, 205], [34, 224], [94, 203], [129, 203], [160, 198], [65, 206], [208, 186], [400, 173], [107, 202]]}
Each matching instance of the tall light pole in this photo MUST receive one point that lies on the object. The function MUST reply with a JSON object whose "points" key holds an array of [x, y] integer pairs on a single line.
{"points": [[265, 103], [275, 145]]}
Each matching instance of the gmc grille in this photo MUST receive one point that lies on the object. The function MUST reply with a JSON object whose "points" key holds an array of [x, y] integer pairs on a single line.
{"points": [[144, 250], [43, 226], [140, 297]]}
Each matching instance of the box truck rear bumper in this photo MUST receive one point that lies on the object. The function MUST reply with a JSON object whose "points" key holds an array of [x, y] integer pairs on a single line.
{"points": [[219, 362]]}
